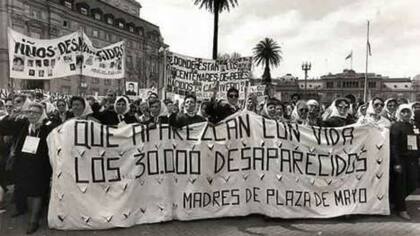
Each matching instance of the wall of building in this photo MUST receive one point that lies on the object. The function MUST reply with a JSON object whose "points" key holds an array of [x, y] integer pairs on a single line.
{"points": [[52, 18]]}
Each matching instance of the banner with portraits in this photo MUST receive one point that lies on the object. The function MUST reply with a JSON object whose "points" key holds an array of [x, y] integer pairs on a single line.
{"points": [[105, 177], [72, 54]]}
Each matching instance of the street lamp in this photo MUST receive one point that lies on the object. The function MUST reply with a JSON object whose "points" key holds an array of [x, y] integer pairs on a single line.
{"points": [[306, 66]]}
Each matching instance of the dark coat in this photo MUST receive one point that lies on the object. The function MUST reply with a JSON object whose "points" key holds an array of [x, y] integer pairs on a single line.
{"points": [[338, 121], [217, 110], [110, 117], [179, 120], [32, 172]]}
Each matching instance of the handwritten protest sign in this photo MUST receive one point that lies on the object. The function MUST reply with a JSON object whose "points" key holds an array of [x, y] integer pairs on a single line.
{"points": [[72, 54], [106, 177], [188, 74]]}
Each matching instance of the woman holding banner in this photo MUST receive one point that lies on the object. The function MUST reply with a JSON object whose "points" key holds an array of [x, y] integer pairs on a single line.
{"points": [[373, 114], [404, 155], [32, 170], [337, 114]]}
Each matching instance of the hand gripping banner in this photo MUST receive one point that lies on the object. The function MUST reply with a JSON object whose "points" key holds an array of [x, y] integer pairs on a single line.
{"points": [[105, 177]]}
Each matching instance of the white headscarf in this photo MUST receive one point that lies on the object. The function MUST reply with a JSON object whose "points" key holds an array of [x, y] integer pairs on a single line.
{"points": [[127, 108], [400, 108], [332, 111], [295, 117]]}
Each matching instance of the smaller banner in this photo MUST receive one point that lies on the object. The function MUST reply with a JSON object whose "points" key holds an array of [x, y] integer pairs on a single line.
{"points": [[105, 63], [198, 75], [32, 58]]}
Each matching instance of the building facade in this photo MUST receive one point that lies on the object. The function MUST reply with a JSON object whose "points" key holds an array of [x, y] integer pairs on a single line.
{"points": [[347, 84], [104, 21]]}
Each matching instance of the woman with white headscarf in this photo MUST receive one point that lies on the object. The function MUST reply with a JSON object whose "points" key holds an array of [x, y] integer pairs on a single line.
{"points": [[314, 117], [269, 109], [337, 114], [373, 114], [119, 115], [404, 158], [300, 113], [32, 170], [390, 108]]}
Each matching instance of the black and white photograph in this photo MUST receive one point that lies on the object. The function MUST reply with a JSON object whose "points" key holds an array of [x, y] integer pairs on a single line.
{"points": [[210, 117], [131, 88]]}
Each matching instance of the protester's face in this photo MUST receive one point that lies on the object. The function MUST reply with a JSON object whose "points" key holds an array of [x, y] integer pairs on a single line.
{"points": [[295, 99], [121, 106], [175, 108], [363, 110], [405, 115], [144, 109], [61, 106], [31, 97], [18, 103], [111, 97], [9, 107], [279, 110], [391, 106], [155, 109], [203, 109], [303, 112], [271, 110], [313, 109], [33, 114], [233, 98], [77, 108], [250, 106], [343, 108], [378, 106], [91, 101], [189, 105]]}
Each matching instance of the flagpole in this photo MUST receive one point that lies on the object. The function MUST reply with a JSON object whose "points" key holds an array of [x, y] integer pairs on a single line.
{"points": [[351, 60], [367, 63]]}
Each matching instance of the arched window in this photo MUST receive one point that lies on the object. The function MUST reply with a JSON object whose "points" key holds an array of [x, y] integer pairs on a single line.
{"points": [[120, 23], [68, 3]]}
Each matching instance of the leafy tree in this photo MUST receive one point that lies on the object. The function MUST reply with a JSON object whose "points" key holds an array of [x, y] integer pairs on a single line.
{"points": [[216, 7], [268, 53]]}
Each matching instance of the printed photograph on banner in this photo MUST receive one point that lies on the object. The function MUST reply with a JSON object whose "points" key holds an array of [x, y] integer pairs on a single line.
{"points": [[131, 88], [32, 58], [106, 63]]}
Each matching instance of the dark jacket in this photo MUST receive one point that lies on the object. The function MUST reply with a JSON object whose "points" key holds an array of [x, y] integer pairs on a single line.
{"points": [[110, 117], [217, 110], [179, 120], [338, 121], [32, 171]]}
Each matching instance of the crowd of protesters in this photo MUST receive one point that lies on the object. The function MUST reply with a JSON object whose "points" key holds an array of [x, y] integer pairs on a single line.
{"points": [[28, 119]]}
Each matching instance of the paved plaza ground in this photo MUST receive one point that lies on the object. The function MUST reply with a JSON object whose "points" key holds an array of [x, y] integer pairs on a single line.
{"points": [[249, 225]]}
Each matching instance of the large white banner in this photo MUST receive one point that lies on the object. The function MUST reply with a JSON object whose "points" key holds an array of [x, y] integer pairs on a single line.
{"points": [[106, 177], [105, 63], [189, 74], [42, 59], [32, 58]]}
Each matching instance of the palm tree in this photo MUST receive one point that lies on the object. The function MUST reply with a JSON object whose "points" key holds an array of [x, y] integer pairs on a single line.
{"points": [[216, 7], [267, 52]]}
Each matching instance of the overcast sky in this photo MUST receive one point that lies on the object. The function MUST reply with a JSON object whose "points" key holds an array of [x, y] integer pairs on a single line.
{"points": [[320, 31]]}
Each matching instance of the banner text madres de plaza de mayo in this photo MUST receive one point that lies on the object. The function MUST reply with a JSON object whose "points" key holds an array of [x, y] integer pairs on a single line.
{"points": [[106, 177]]}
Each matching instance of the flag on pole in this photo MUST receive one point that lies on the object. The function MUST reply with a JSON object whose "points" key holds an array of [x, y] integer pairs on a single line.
{"points": [[350, 55], [369, 49]]}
